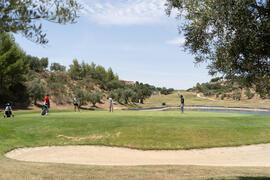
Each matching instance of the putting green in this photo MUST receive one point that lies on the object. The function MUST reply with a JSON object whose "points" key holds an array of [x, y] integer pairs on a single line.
{"points": [[141, 130]]}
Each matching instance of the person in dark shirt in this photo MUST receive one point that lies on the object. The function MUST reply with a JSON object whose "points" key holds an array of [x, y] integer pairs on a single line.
{"points": [[182, 101], [76, 104]]}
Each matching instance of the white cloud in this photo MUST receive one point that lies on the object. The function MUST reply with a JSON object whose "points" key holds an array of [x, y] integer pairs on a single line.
{"points": [[124, 12], [177, 41]]}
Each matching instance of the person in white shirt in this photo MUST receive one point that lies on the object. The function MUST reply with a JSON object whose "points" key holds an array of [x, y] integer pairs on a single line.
{"points": [[111, 105], [8, 111]]}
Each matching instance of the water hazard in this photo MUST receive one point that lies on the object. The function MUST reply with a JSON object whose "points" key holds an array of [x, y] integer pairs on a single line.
{"points": [[237, 112], [214, 109]]}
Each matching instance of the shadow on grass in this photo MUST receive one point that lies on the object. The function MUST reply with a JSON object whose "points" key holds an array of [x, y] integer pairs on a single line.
{"points": [[243, 178], [255, 178], [89, 108]]}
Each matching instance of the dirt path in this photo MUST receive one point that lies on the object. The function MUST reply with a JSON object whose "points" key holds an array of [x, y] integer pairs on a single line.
{"points": [[199, 96], [253, 155]]}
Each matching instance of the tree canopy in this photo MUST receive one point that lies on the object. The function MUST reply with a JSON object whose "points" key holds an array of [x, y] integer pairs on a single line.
{"points": [[21, 16], [13, 70], [232, 35], [13, 66], [37, 90], [56, 67], [36, 64]]}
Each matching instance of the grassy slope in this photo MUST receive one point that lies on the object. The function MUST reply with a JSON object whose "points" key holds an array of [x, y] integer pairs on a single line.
{"points": [[192, 99], [145, 130]]}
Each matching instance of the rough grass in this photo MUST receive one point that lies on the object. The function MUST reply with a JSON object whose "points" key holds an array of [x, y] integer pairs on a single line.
{"points": [[143, 130]]}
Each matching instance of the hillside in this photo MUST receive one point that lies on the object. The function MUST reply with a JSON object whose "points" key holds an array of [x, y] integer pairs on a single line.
{"points": [[217, 92], [193, 98], [92, 84], [62, 89]]}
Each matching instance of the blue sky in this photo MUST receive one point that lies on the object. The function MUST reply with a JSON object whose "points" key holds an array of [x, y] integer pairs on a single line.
{"points": [[134, 37]]}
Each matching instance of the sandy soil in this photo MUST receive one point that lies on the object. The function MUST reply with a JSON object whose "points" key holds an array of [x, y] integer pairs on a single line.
{"points": [[252, 155]]}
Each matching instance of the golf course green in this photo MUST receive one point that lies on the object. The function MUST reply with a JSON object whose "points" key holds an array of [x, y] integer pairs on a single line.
{"points": [[133, 129], [140, 130]]}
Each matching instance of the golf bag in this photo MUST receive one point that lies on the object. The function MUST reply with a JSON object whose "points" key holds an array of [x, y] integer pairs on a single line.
{"points": [[8, 114], [44, 110], [8, 111]]}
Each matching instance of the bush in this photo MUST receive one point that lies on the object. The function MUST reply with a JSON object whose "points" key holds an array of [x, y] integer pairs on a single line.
{"points": [[166, 91], [208, 93], [116, 95], [57, 90], [114, 84], [37, 90], [36, 64], [249, 94], [94, 98], [222, 96], [216, 79], [127, 94], [237, 96], [81, 95], [56, 67]]}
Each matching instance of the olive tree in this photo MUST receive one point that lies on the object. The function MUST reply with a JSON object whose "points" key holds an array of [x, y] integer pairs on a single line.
{"points": [[36, 90], [232, 36], [22, 16]]}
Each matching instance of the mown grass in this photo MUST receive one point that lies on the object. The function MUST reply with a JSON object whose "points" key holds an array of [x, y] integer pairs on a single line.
{"points": [[142, 130]]}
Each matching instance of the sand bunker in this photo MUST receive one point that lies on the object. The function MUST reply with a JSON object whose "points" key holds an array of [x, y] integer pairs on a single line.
{"points": [[253, 155]]}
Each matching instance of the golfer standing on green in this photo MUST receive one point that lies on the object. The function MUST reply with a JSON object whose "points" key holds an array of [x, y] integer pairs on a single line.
{"points": [[8, 111], [182, 100], [47, 103], [76, 104], [111, 104]]}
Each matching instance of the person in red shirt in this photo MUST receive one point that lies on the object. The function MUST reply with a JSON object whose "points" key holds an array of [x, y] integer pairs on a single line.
{"points": [[47, 103]]}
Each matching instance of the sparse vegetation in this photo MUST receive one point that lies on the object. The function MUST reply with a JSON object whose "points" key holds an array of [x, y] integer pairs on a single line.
{"points": [[226, 90], [165, 91]]}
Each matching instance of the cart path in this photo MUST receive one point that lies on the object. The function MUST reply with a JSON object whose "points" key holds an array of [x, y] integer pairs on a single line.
{"points": [[251, 155]]}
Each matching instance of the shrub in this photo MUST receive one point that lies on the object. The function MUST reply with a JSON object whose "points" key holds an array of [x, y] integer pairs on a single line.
{"points": [[216, 79], [57, 90], [94, 98], [249, 94], [56, 67], [37, 90], [166, 91], [114, 84], [222, 96], [237, 96], [81, 95], [127, 94], [116, 95]]}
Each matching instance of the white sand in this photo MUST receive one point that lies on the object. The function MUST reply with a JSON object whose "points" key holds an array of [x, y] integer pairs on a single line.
{"points": [[253, 155]]}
